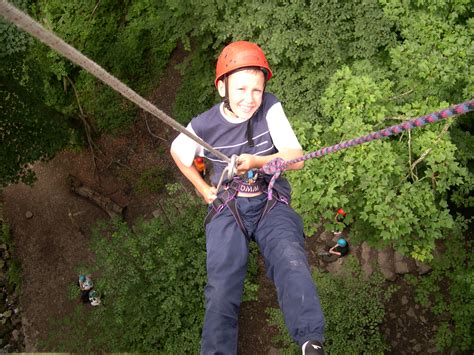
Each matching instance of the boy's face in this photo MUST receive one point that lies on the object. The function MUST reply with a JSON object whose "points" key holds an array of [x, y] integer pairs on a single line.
{"points": [[245, 92]]}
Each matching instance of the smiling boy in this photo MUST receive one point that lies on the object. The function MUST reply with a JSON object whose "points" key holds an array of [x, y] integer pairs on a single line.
{"points": [[251, 124]]}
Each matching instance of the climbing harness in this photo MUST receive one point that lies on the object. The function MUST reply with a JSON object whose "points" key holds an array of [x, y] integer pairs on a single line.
{"points": [[276, 166], [26, 23], [250, 182]]}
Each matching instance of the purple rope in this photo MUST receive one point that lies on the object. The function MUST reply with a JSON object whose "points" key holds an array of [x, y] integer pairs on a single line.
{"points": [[276, 166]]}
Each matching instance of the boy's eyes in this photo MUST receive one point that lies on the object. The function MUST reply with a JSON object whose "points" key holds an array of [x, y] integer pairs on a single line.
{"points": [[254, 90]]}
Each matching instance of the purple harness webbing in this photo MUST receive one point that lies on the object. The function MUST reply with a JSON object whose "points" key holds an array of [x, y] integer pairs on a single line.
{"points": [[276, 166]]}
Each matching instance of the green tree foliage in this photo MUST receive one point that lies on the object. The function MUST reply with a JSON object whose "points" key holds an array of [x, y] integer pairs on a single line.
{"points": [[305, 42], [448, 291], [13, 41], [390, 197], [132, 40], [352, 323], [151, 281], [29, 129]]}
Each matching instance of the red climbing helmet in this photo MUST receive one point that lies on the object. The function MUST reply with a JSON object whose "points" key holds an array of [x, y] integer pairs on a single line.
{"points": [[241, 54]]}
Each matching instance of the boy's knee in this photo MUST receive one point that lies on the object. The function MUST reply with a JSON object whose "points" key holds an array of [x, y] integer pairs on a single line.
{"points": [[222, 301], [289, 253]]}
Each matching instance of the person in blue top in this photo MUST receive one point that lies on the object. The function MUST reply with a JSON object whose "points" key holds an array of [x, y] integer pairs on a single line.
{"points": [[251, 124], [341, 248]]}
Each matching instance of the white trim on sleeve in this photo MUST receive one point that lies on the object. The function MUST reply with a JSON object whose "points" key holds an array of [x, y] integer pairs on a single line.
{"points": [[280, 129], [186, 148]]}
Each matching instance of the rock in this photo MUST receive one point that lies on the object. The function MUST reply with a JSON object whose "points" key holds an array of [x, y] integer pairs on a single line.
{"points": [[273, 351], [355, 251], [156, 213], [404, 299], [401, 265], [422, 267], [28, 214], [335, 268], [326, 237], [385, 260], [8, 313], [417, 348], [411, 313], [366, 260]]}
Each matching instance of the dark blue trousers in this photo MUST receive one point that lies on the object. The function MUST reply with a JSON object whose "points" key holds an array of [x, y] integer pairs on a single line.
{"points": [[280, 238]]}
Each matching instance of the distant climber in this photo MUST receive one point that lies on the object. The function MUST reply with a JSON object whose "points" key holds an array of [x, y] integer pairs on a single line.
{"points": [[340, 215], [85, 285], [94, 298], [341, 248]]}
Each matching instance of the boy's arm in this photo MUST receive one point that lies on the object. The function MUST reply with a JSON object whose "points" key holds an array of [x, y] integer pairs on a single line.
{"points": [[192, 174], [246, 162]]}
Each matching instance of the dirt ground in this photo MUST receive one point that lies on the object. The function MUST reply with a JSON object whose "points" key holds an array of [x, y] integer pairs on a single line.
{"points": [[55, 240]]}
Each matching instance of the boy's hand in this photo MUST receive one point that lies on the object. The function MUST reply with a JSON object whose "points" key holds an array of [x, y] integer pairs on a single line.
{"points": [[209, 194], [245, 162]]}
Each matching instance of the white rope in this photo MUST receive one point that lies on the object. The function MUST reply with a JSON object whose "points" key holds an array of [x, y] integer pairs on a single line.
{"points": [[29, 25]]}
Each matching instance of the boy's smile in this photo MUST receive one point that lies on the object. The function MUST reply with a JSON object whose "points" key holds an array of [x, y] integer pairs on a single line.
{"points": [[245, 92]]}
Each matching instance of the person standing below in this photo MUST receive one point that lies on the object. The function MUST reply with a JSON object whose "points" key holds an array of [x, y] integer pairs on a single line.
{"points": [[340, 249], [85, 285], [251, 124]]}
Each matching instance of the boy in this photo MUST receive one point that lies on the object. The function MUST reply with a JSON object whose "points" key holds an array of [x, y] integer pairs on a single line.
{"points": [[252, 125]]}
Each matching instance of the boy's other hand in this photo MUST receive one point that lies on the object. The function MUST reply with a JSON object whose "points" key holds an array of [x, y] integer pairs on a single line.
{"points": [[245, 162]]}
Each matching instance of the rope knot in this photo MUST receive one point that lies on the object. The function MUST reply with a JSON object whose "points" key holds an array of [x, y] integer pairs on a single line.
{"points": [[274, 166]]}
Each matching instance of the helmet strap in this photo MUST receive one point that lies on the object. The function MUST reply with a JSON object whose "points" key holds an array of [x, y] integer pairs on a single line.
{"points": [[226, 97], [250, 131]]}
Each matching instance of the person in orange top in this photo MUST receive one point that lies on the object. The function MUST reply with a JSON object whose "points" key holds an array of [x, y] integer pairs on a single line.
{"points": [[200, 166]]}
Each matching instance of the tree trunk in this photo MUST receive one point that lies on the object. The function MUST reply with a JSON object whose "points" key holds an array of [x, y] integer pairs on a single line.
{"points": [[109, 206]]}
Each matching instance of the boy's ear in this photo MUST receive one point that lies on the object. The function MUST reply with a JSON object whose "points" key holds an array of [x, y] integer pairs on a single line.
{"points": [[221, 88]]}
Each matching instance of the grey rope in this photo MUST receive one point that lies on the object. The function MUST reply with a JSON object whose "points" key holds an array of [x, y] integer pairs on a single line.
{"points": [[29, 25]]}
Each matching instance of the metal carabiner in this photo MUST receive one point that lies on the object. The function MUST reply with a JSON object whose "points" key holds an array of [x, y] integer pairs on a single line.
{"points": [[229, 171]]}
